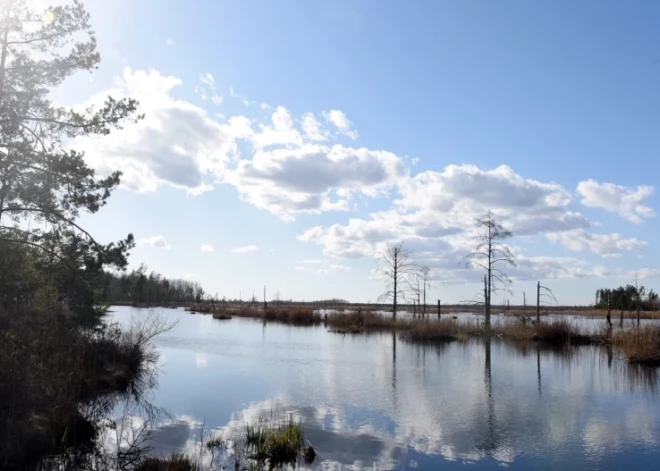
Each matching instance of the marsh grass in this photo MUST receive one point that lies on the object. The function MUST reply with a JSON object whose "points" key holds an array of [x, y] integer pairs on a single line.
{"points": [[444, 330], [295, 315], [640, 345], [365, 320]]}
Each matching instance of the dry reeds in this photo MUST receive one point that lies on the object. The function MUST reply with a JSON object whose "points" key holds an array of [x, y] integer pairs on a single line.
{"points": [[640, 345], [430, 332], [365, 320]]}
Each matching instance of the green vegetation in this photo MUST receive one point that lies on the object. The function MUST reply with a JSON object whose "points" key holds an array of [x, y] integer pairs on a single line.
{"points": [[54, 351], [273, 445], [627, 298], [139, 288]]}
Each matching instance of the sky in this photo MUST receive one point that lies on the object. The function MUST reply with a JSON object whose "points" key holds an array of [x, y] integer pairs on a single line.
{"points": [[285, 144]]}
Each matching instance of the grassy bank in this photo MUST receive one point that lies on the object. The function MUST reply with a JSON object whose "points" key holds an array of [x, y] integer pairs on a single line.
{"points": [[48, 367]]}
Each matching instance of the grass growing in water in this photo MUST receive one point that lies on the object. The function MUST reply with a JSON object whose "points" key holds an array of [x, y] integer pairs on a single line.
{"points": [[641, 345], [275, 446], [429, 332]]}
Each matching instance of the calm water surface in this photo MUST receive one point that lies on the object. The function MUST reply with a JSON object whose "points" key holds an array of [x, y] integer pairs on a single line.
{"points": [[376, 402]]}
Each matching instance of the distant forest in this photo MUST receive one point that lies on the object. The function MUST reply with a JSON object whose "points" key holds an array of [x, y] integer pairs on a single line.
{"points": [[140, 287], [628, 298]]}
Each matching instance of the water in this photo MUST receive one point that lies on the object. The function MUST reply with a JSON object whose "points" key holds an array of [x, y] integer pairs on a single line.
{"points": [[376, 402]]}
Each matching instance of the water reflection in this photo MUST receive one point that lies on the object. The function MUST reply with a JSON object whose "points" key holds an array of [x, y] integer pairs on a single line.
{"points": [[375, 402]]}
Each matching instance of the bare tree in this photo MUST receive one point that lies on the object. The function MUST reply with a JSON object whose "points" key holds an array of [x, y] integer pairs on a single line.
{"points": [[544, 295], [489, 254], [395, 267], [424, 272]]}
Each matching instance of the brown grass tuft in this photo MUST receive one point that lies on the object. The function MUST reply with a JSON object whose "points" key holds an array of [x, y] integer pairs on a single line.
{"points": [[641, 345]]}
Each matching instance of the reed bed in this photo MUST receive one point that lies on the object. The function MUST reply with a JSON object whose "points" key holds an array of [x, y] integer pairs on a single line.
{"points": [[640, 345], [287, 315]]}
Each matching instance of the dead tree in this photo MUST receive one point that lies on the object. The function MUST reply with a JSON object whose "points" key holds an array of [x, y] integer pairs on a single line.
{"points": [[543, 296], [490, 253], [395, 267]]}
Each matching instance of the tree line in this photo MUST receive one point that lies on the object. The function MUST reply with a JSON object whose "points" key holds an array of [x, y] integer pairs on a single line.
{"points": [[627, 298], [141, 287]]}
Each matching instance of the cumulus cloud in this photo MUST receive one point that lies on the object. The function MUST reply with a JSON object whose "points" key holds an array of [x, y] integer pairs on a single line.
{"points": [[207, 248], [313, 178], [606, 245], [246, 249], [176, 143], [435, 215], [627, 202], [313, 129], [340, 121], [155, 242]]}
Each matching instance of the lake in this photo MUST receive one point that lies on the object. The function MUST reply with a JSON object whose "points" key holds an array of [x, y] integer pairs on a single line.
{"points": [[373, 401]]}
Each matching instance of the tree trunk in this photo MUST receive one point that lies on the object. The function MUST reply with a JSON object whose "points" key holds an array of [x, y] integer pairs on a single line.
{"points": [[538, 302]]}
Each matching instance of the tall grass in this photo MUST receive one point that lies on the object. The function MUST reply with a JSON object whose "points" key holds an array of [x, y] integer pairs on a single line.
{"points": [[295, 315], [430, 332], [640, 345], [359, 320]]}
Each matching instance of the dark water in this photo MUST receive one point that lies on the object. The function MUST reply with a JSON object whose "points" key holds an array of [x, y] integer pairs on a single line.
{"points": [[376, 402]]}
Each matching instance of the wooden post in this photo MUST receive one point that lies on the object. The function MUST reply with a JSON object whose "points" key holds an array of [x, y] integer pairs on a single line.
{"points": [[438, 309], [638, 300], [413, 308], [538, 302], [609, 316], [524, 303]]}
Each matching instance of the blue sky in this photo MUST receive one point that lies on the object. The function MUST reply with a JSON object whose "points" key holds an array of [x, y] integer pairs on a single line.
{"points": [[424, 115]]}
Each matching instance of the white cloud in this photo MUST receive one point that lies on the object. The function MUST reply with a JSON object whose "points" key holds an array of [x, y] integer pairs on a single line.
{"points": [[312, 128], [606, 245], [176, 143], [641, 274], [207, 248], [155, 242], [340, 267], [313, 178], [314, 260], [436, 211], [340, 121], [207, 89], [279, 132], [169, 42], [246, 249], [244, 100], [627, 202]]}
